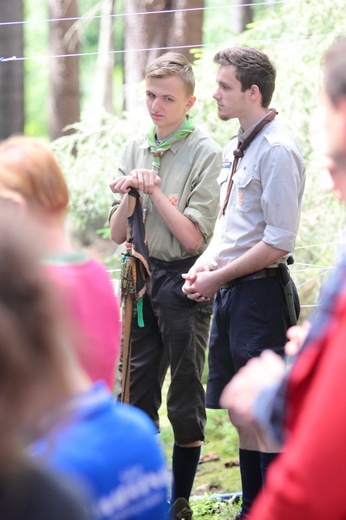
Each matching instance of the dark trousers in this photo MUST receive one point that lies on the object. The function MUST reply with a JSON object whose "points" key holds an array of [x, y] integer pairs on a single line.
{"points": [[248, 318], [175, 335]]}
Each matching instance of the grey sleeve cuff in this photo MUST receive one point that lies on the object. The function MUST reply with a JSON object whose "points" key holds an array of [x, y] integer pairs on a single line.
{"points": [[263, 408]]}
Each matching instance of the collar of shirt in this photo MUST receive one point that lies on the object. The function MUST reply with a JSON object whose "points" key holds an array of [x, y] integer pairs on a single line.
{"points": [[242, 135]]}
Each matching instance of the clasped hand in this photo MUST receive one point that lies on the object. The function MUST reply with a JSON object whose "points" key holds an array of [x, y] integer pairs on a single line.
{"points": [[142, 179], [200, 283]]}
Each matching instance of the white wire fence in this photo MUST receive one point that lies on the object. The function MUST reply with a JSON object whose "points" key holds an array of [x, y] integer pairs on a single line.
{"points": [[308, 277]]}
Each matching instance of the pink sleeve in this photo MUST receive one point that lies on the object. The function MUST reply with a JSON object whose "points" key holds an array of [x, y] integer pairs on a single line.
{"points": [[92, 308]]}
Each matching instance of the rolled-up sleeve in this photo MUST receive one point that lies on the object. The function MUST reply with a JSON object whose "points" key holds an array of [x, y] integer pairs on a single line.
{"points": [[282, 177], [203, 201]]}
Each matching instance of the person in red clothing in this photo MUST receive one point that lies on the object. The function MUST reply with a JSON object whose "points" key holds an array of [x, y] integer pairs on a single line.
{"points": [[31, 177], [307, 479]]}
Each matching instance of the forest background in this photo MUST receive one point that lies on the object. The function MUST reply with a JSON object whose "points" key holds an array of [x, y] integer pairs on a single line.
{"points": [[82, 63]]}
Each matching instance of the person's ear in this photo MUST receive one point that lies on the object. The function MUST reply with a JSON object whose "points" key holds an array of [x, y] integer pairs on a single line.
{"points": [[13, 199], [255, 92], [190, 103]]}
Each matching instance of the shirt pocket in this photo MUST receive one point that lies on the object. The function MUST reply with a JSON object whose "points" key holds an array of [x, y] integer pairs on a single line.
{"points": [[243, 187], [224, 173], [223, 177]]}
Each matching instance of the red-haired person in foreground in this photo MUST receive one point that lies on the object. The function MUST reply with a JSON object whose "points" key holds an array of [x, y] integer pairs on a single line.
{"points": [[307, 481], [73, 427], [32, 382], [31, 177]]}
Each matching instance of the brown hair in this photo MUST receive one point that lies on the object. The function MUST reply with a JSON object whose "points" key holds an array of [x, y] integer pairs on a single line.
{"points": [[335, 70], [173, 64], [29, 168], [253, 67]]}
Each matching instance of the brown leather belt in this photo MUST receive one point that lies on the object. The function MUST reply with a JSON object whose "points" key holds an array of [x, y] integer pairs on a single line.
{"points": [[269, 272]]}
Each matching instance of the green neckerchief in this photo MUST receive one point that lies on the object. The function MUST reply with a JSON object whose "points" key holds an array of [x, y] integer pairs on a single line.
{"points": [[157, 149]]}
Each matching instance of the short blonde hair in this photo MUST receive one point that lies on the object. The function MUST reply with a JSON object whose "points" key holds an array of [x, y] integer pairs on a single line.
{"points": [[29, 168], [173, 64]]}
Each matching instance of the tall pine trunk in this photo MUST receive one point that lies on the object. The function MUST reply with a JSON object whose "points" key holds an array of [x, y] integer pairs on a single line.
{"points": [[242, 15], [153, 27], [64, 97], [11, 72], [103, 97]]}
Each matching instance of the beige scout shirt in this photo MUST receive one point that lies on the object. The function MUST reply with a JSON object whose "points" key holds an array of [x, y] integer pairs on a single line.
{"points": [[189, 172]]}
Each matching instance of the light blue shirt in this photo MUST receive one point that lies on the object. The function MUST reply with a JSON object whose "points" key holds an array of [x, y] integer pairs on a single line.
{"points": [[266, 196]]}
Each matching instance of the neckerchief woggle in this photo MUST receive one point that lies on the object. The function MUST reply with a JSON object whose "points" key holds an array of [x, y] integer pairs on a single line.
{"points": [[159, 148]]}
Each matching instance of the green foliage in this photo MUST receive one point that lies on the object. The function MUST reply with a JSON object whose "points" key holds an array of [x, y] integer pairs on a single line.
{"points": [[210, 507], [89, 159]]}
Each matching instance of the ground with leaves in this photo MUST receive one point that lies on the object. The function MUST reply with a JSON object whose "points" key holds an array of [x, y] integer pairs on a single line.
{"points": [[209, 507]]}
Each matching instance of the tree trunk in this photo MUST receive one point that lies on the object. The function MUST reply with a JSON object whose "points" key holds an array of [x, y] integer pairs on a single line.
{"points": [[243, 15], [11, 72], [152, 33], [64, 101], [145, 34], [186, 30], [105, 62]]}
